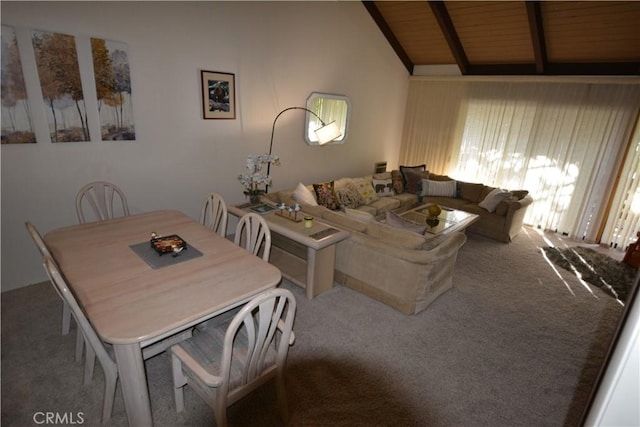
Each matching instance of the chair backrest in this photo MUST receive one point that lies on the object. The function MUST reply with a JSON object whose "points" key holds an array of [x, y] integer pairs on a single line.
{"points": [[90, 335], [101, 197], [214, 214], [37, 238], [252, 233], [252, 349]]}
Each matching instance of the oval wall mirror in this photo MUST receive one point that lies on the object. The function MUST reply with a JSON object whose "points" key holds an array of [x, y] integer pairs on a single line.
{"points": [[329, 108]]}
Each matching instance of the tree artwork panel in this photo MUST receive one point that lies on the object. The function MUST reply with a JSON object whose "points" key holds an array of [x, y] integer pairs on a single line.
{"points": [[57, 63], [113, 87], [16, 117]]}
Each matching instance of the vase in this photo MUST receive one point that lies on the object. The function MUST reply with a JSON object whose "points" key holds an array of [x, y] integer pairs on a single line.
{"points": [[254, 198]]}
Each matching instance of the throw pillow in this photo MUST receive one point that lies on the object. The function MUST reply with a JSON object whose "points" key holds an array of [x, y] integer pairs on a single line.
{"points": [[349, 196], [493, 198], [326, 195], [469, 191], [398, 183], [405, 169], [520, 194], [397, 221], [383, 187], [439, 188], [413, 181], [436, 177], [302, 195], [359, 215], [503, 206], [365, 188]]}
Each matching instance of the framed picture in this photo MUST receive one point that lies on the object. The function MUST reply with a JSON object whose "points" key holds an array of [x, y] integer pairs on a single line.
{"points": [[218, 95]]}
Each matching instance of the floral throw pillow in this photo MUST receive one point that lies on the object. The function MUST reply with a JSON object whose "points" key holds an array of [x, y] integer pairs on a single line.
{"points": [[326, 195]]}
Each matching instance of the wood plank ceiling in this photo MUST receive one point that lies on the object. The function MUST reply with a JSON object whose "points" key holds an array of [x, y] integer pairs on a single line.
{"points": [[514, 37]]}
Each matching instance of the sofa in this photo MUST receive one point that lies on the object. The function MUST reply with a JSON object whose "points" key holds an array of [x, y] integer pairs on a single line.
{"points": [[384, 259], [384, 195]]}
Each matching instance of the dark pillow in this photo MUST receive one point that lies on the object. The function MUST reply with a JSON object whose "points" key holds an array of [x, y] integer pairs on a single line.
{"points": [[520, 194], [326, 195], [405, 169], [469, 191], [436, 177], [413, 182]]}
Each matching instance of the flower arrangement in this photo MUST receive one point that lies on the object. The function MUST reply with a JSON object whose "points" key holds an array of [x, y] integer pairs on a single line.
{"points": [[255, 177]]}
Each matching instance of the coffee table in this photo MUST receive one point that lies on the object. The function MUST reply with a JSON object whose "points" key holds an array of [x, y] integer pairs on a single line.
{"points": [[305, 256], [448, 221]]}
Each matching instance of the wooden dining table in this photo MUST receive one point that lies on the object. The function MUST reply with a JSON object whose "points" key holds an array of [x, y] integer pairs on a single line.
{"points": [[134, 304]]}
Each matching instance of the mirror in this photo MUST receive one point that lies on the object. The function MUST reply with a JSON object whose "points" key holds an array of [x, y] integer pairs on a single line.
{"points": [[330, 108]]}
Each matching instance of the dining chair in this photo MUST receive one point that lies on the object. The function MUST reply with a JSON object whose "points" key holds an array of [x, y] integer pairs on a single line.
{"points": [[66, 311], [214, 214], [253, 234], [102, 197], [95, 347], [226, 363]]}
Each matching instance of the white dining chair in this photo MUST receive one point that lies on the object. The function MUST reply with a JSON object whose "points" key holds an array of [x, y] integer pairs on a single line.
{"points": [[95, 347], [66, 311], [225, 363], [104, 199], [253, 234], [214, 214]]}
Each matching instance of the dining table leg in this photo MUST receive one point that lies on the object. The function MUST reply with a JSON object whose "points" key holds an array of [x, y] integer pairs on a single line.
{"points": [[133, 380]]}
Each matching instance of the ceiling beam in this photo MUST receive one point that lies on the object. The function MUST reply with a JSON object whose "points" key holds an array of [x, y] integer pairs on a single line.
{"points": [[386, 31], [446, 26], [534, 13]]}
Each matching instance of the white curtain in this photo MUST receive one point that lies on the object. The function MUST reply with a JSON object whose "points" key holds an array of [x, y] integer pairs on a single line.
{"points": [[560, 141], [624, 218]]}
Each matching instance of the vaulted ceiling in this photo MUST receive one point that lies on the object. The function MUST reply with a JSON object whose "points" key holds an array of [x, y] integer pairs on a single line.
{"points": [[514, 37]]}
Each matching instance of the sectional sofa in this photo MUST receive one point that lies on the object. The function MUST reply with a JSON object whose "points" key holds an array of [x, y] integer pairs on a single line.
{"points": [[384, 259]]}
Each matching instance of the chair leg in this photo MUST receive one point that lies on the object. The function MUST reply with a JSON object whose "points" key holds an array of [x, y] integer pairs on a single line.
{"points": [[281, 392], [110, 382], [179, 381], [220, 410], [66, 318], [79, 344], [89, 363]]}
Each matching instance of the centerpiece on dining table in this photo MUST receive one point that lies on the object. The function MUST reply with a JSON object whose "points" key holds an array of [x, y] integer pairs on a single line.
{"points": [[255, 178]]}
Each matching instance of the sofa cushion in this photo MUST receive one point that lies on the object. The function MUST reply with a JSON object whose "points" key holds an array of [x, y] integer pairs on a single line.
{"points": [[397, 221], [439, 188], [384, 204], [349, 196], [397, 181], [360, 215], [365, 188], [383, 187], [406, 200], [493, 198], [470, 191], [326, 195], [303, 195]]}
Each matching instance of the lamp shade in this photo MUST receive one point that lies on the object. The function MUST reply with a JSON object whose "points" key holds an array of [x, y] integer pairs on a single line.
{"points": [[327, 133]]}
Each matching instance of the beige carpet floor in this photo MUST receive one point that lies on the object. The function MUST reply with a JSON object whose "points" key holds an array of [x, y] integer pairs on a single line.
{"points": [[517, 342]]}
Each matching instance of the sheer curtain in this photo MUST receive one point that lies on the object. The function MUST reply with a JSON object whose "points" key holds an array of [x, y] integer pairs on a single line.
{"points": [[560, 141], [624, 218]]}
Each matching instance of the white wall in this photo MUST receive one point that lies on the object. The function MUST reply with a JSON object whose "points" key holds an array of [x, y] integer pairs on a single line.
{"points": [[280, 52]]}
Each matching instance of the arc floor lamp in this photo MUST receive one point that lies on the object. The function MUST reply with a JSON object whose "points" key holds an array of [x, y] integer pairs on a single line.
{"points": [[325, 133]]}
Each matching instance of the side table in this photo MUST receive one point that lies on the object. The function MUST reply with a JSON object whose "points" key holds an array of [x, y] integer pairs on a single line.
{"points": [[305, 256]]}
